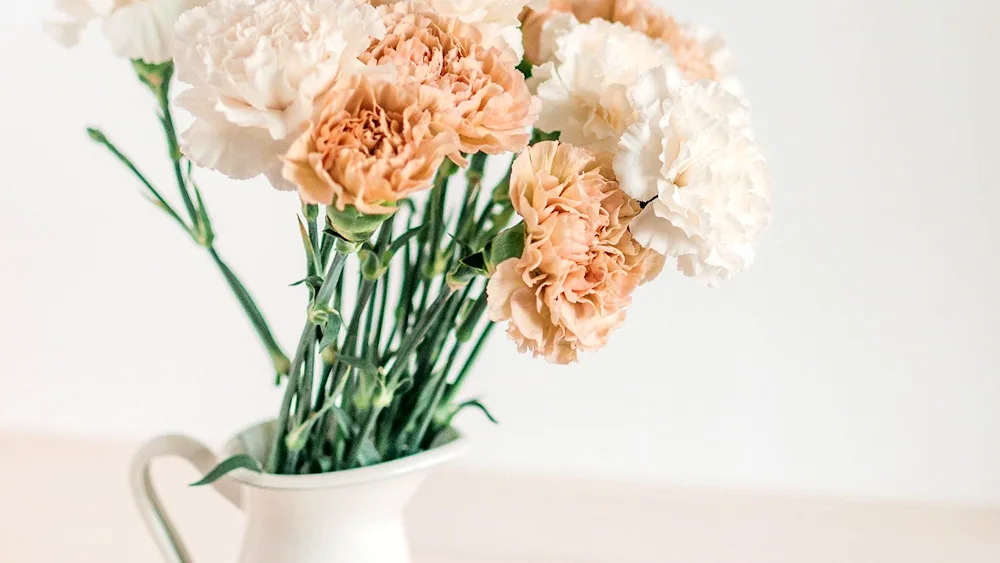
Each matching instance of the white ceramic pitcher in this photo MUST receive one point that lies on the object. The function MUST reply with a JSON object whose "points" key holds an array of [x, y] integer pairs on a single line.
{"points": [[353, 516]]}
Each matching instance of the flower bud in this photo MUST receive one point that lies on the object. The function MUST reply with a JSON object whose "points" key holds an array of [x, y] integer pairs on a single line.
{"points": [[319, 315], [281, 363], [329, 355], [353, 225]]}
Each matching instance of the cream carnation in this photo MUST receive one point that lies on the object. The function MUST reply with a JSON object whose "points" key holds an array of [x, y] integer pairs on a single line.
{"points": [[371, 145], [137, 29], [690, 156], [491, 105], [584, 91], [256, 68], [698, 52], [569, 288]]}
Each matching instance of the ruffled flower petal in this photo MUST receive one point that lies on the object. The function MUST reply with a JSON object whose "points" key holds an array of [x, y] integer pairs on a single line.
{"points": [[262, 65], [690, 155], [568, 290]]}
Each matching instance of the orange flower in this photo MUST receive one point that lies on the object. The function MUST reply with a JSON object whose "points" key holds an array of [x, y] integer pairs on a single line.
{"points": [[491, 105], [569, 288], [373, 144]]}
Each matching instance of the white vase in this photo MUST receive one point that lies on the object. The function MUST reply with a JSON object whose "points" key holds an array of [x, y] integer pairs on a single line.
{"points": [[353, 516]]}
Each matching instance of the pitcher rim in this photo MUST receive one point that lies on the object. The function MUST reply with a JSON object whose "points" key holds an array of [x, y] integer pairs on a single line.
{"points": [[345, 478]]}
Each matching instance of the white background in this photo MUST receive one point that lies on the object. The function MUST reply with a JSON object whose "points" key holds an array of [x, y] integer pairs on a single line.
{"points": [[858, 357]]}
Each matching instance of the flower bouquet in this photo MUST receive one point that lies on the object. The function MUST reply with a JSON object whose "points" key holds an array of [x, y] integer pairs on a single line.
{"points": [[631, 146]]}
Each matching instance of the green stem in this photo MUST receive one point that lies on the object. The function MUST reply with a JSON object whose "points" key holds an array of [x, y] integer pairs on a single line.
{"points": [[399, 364], [440, 386], [163, 98], [260, 325], [277, 456], [275, 459], [160, 202], [467, 366]]}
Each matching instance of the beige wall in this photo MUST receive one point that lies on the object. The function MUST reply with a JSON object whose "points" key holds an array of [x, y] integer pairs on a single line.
{"points": [[859, 356]]}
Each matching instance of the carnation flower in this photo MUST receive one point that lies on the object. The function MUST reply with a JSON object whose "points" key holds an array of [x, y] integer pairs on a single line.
{"points": [[492, 106], [256, 68], [698, 52], [691, 157], [372, 144], [584, 91], [569, 288], [496, 20], [137, 29]]}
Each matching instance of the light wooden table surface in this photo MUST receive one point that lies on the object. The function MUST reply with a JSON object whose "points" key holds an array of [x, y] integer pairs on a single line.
{"points": [[66, 500]]}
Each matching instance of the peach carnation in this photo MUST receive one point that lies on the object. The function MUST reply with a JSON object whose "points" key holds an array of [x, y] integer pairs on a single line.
{"points": [[569, 288], [492, 107], [699, 53], [372, 144]]}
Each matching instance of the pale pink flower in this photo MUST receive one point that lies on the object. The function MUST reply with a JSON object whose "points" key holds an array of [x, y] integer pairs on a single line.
{"points": [[492, 106], [569, 288], [374, 143]]}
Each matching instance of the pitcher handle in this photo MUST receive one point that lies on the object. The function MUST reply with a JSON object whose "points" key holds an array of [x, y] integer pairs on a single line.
{"points": [[148, 501]]}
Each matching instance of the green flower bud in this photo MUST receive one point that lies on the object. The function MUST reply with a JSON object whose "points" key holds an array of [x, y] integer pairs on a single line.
{"points": [[371, 265], [319, 315], [353, 225], [281, 363], [155, 76], [329, 355]]}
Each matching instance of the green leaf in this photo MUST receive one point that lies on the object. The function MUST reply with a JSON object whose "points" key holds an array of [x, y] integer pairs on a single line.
{"points": [[332, 330], [365, 366], [314, 281], [525, 67], [314, 265], [241, 461], [206, 223], [506, 245], [297, 438], [474, 403], [368, 454], [399, 243], [465, 330]]}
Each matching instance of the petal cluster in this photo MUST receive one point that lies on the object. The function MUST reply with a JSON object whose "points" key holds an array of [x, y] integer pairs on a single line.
{"points": [[136, 29], [584, 90], [256, 69], [491, 105], [569, 289], [697, 51], [691, 157], [374, 143]]}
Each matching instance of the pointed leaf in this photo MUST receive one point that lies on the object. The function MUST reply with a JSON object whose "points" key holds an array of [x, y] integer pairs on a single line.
{"points": [[476, 404], [314, 265], [368, 454], [206, 222], [332, 330], [241, 461], [399, 243]]}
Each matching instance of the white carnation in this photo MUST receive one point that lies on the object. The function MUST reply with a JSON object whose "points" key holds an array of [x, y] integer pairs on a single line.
{"points": [[136, 29], [584, 90], [691, 158], [718, 56], [256, 68]]}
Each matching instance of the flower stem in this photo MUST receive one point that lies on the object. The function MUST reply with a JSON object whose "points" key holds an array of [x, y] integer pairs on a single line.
{"points": [[399, 364], [277, 456], [260, 325], [467, 366]]}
